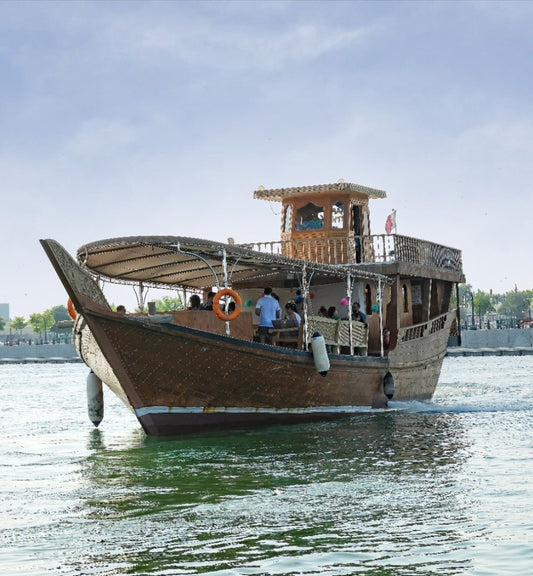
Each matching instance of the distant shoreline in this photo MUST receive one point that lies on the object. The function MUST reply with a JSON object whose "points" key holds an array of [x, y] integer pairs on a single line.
{"points": [[463, 351], [41, 360], [38, 353]]}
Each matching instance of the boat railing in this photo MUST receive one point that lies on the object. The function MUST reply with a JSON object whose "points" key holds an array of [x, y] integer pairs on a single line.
{"points": [[380, 248], [336, 333], [420, 330], [396, 248], [321, 250]]}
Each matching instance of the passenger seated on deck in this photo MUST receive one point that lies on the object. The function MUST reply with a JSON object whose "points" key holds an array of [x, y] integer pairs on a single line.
{"points": [[121, 309], [322, 311], [289, 327], [332, 313], [292, 318], [357, 313], [194, 302], [208, 304]]}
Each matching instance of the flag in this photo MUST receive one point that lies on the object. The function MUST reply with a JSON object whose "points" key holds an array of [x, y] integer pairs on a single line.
{"points": [[390, 223]]}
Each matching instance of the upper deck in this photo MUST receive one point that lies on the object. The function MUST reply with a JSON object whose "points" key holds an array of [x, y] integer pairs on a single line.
{"points": [[381, 253], [330, 224]]}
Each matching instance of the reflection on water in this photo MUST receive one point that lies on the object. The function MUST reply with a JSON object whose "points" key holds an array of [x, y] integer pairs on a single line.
{"points": [[395, 445], [426, 489], [363, 488]]}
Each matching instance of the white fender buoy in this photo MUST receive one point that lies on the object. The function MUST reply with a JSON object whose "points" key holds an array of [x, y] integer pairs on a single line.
{"points": [[95, 398], [388, 385], [320, 353]]}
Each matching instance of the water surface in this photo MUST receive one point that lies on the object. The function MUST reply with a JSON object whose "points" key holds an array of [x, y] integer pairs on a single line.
{"points": [[425, 488]]}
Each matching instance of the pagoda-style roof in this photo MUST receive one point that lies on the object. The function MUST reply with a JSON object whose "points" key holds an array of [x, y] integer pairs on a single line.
{"points": [[277, 194]]}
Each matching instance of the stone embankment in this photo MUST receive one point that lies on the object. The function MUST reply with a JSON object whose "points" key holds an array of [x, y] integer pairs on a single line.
{"points": [[509, 342], [33, 353]]}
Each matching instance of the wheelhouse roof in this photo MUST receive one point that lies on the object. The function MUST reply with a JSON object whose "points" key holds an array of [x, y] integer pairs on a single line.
{"points": [[277, 194], [175, 261]]}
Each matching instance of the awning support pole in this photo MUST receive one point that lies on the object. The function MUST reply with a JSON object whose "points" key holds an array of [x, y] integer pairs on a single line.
{"points": [[349, 294], [380, 299]]}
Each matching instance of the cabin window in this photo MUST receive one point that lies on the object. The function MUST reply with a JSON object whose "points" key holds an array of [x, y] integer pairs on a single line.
{"points": [[310, 217], [356, 220], [287, 218], [368, 300], [337, 215], [405, 298]]}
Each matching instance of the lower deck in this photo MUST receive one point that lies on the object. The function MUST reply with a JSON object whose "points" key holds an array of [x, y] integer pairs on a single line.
{"points": [[336, 332]]}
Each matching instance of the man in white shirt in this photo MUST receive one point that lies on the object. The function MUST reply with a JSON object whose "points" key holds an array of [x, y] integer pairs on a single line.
{"points": [[268, 309]]}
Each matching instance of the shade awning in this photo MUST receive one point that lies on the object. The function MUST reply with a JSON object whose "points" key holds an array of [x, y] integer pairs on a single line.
{"points": [[174, 261]]}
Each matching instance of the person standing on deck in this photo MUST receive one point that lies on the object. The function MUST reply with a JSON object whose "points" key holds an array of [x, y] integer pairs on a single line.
{"points": [[268, 310]]}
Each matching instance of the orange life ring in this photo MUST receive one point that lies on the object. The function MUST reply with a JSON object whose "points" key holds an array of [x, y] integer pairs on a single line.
{"points": [[216, 306], [71, 310]]}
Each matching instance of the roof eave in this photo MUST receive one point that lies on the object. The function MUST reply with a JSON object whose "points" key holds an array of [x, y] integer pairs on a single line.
{"points": [[278, 194]]}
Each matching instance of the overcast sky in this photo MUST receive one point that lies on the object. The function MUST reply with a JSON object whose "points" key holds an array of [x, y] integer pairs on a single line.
{"points": [[125, 118]]}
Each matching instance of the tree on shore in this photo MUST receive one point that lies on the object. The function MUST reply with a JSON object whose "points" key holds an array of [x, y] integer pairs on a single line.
{"points": [[517, 304], [36, 322], [44, 322], [168, 304], [58, 313], [165, 304], [2, 323], [483, 303], [18, 323]]}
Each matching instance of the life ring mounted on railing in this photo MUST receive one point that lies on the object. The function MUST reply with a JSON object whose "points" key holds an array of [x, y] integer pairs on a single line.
{"points": [[71, 311], [216, 304]]}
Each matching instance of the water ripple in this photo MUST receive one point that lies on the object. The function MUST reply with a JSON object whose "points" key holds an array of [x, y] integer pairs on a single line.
{"points": [[424, 489]]}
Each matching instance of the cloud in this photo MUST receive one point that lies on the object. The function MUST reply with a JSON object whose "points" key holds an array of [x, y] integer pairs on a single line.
{"points": [[123, 118], [226, 53]]}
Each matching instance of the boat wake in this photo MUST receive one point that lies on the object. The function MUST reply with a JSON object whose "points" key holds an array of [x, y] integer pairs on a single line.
{"points": [[439, 407]]}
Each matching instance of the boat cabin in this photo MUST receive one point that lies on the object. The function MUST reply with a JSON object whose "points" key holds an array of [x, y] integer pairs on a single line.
{"points": [[326, 222]]}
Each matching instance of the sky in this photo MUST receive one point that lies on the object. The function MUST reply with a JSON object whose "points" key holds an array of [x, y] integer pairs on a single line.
{"points": [[162, 118]]}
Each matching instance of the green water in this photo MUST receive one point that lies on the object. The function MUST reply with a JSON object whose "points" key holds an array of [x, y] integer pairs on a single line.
{"points": [[438, 488]]}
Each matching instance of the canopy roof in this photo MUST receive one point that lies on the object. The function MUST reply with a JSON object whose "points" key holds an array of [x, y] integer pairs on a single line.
{"points": [[174, 261], [277, 194]]}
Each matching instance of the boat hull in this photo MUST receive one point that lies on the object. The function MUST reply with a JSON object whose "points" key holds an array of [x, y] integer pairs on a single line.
{"points": [[178, 379], [169, 423], [417, 359]]}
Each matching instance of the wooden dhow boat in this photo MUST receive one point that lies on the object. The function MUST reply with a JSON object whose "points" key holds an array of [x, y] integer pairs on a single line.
{"points": [[191, 370]]}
